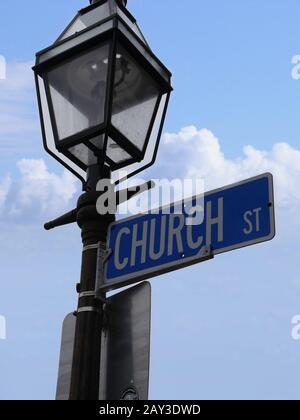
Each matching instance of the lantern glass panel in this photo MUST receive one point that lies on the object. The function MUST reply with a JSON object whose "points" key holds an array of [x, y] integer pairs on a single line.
{"points": [[134, 168], [83, 154], [135, 96], [115, 153], [144, 50], [113, 150], [48, 135], [78, 91], [98, 142]]}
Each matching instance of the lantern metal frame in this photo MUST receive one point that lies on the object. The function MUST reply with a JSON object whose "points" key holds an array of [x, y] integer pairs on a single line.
{"points": [[114, 31]]}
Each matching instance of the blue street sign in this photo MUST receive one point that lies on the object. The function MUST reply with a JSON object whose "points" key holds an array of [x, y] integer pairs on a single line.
{"points": [[154, 243]]}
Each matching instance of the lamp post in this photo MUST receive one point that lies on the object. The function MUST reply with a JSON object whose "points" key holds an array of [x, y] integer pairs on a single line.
{"points": [[103, 97]]}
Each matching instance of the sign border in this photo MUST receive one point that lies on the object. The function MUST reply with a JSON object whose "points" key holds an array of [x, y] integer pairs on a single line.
{"points": [[126, 280]]}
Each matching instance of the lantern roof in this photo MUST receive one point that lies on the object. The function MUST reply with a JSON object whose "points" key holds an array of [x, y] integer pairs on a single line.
{"points": [[97, 12]]}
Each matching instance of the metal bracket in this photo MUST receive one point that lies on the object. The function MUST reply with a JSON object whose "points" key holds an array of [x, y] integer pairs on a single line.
{"points": [[86, 294], [88, 247], [87, 309], [102, 257], [127, 194], [105, 320]]}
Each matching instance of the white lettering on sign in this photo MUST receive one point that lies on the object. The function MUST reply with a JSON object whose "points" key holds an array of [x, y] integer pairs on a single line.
{"points": [[175, 232], [192, 244], [252, 220], [195, 213], [120, 265], [218, 220], [139, 243], [154, 256], [166, 234]]}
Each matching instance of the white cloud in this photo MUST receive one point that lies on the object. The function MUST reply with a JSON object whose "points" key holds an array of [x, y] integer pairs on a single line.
{"points": [[5, 185], [201, 156], [19, 80], [37, 193], [19, 125]]}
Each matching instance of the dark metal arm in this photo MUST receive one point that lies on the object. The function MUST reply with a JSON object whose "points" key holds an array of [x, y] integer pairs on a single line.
{"points": [[125, 195], [122, 196], [66, 219]]}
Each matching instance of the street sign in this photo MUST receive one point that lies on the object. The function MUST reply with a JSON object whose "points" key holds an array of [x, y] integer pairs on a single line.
{"points": [[154, 243], [125, 347], [66, 358], [125, 352]]}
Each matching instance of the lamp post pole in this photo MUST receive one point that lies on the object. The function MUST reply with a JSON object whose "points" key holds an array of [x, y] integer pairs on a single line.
{"points": [[85, 374], [100, 62], [86, 360]]}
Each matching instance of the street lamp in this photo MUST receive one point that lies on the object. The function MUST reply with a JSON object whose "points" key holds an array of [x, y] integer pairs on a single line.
{"points": [[102, 93], [103, 97]]}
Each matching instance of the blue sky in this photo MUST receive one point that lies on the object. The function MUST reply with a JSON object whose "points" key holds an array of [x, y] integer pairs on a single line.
{"points": [[220, 329]]}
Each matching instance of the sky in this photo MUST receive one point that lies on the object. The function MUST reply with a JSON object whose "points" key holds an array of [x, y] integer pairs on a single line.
{"points": [[222, 329]]}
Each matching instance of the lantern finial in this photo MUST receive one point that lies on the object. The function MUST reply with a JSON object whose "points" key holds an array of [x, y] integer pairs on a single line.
{"points": [[121, 2]]}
